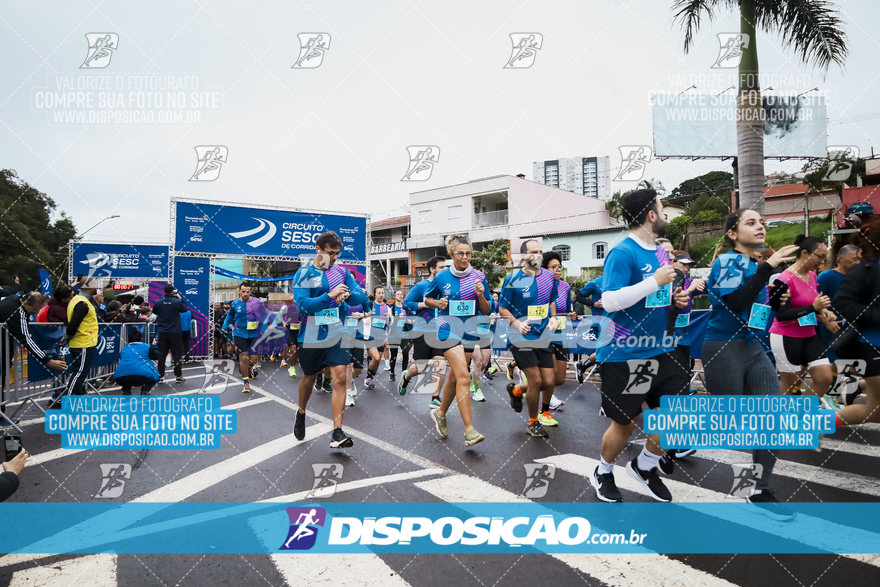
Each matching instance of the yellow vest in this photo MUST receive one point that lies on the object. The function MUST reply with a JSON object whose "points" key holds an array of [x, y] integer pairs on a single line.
{"points": [[87, 333]]}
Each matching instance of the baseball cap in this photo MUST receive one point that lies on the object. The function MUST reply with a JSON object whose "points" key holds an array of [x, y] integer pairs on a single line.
{"points": [[685, 258]]}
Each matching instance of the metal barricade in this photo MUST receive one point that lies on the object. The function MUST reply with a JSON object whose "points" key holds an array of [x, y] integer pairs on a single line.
{"points": [[20, 392]]}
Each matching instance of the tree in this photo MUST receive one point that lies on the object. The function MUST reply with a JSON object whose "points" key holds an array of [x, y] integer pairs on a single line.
{"points": [[613, 204], [717, 183], [29, 238], [652, 184], [492, 261], [812, 28]]}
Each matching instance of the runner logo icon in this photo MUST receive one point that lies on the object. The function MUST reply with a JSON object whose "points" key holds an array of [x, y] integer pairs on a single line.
{"points": [[101, 48], [633, 160], [538, 476], [210, 159], [272, 229], [840, 163], [303, 532], [525, 49], [311, 50], [641, 374], [730, 53], [422, 159], [327, 476], [745, 479], [113, 478]]}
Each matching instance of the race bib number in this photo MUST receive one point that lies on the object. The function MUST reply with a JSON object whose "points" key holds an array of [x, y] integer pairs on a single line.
{"points": [[252, 325], [682, 320], [294, 326], [759, 316], [808, 320], [379, 322], [351, 322], [560, 321], [539, 312], [461, 308], [328, 316], [401, 322], [482, 329], [660, 298]]}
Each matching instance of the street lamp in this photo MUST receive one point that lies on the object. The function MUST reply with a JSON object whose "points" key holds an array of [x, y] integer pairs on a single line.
{"points": [[89, 230]]}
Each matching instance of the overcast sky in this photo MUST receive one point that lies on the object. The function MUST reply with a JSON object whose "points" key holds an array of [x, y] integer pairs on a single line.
{"points": [[396, 74]]}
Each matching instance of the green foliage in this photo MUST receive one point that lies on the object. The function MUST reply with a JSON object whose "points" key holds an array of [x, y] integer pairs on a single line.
{"points": [[817, 169], [29, 238], [615, 210], [492, 261], [717, 183], [708, 216], [703, 208]]}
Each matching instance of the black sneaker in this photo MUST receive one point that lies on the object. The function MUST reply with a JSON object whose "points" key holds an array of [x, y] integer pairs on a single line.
{"points": [[340, 439], [319, 382], [579, 372], [848, 398], [328, 385], [299, 425], [666, 464], [766, 503], [650, 479], [606, 488], [515, 402], [537, 430], [392, 376], [684, 452]]}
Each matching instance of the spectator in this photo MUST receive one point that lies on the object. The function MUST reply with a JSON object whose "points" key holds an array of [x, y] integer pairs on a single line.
{"points": [[113, 309], [136, 369], [185, 330], [14, 313], [168, 311], [82, 338], [89, 290], [146, 312], [127, 314], [56, 310], [9, 478], [13, 289]]}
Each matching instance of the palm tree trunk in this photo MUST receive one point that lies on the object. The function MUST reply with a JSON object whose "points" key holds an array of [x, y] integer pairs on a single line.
{"points": [[750, 119]]}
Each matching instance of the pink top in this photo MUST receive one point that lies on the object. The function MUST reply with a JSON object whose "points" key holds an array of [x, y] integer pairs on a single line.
{"points": [[802, 294]]}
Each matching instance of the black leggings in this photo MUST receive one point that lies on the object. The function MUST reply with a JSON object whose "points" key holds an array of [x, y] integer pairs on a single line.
{"points": [[404, 361]]}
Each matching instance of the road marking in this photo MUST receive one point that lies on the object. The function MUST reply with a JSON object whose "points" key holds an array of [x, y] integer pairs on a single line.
{"points": [[615, 570], [338, 570], [359, 484], [827, 535], [95, 570]]}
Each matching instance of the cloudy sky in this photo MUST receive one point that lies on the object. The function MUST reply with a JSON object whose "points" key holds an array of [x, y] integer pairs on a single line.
{"points": [[397, 73]]}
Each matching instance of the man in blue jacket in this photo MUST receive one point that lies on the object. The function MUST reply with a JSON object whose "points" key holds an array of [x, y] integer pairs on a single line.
{"points": [[135, 369], [319, 289], [168, 311], [245, 316]]}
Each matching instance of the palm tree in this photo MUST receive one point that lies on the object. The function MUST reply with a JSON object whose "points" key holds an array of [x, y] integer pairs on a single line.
{"points": [[813, 28], [653, 184]]}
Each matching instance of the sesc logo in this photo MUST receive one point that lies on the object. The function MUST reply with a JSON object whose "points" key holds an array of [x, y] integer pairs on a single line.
{"points": [[303, 530], [191, 292], [272, 229]]}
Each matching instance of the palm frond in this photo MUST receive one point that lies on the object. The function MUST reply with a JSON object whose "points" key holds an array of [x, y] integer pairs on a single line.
{"points": [[812, 28], [689, 13]]}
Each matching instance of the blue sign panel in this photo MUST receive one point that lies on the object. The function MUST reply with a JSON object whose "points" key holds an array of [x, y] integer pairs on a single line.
{"points": [[192, 278], [120, 260], [234, 230]]}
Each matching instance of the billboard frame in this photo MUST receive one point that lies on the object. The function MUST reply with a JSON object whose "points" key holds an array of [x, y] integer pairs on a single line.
{"points": [[73, 242]]}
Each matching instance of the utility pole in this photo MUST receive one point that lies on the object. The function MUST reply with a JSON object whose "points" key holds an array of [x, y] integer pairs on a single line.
{"points": [[807, 213]]}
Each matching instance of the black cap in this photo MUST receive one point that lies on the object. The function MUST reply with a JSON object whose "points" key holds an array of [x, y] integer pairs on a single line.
{"points": [[685, 258]]}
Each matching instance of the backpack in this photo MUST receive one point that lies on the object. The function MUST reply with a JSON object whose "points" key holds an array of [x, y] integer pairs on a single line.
{"points": [[43, 314]]}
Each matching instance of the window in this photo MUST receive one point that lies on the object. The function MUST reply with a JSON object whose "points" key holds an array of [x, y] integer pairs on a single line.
{"points": [[599, 250], [454, 212], [564, 251], [425, 216]]}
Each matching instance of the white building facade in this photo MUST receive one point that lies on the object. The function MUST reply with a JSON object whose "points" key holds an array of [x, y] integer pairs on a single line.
{"points": [[588, 176]]}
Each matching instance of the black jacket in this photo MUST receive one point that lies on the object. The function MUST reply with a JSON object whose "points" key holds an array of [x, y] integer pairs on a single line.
{"points": [[168, 311], [8, 291], [13, 315], [858, 298], [8, 484]]}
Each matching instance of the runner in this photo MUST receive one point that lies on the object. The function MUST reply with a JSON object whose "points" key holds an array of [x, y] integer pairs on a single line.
{"points": [[375, 334], [526, 297], [319, 289], [858, 301], [793, 337], [423, 353], [638, 366], [733, 359], [396, 334], [553, 263], [681, 326], [354, 325], [460, 292], [591, 297], [290, 318], [244, 318]]}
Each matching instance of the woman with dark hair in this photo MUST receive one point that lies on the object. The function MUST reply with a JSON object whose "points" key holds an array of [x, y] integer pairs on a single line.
{"points": [[733, 358], [793, 337], [858, 301], [378, 327], [553, 263], [397, 339]]}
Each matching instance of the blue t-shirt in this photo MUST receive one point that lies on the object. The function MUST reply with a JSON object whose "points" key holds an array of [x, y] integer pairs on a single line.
{"points": [[424, 316], [630, 263], [527, 296], [593, 290], [311, 289], [457, 318], [829, 282], [729, 272], [186, 321]]}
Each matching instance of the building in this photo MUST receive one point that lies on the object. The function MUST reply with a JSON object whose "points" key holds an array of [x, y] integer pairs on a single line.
{"points": [[672, 211], [588, 176], [583, 252], [497, 207], [389, 256], [787, 202]]}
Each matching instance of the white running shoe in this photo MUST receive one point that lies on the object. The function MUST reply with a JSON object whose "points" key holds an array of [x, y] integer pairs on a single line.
{"points": [[556, 403]]}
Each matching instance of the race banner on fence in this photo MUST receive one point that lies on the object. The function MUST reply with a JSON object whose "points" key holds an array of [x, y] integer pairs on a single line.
{"points": [[47, 337]]}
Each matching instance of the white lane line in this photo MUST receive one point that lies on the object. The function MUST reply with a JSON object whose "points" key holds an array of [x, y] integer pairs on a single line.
{"points": [[191, 484], [59, 453], [360, 484], [616, 570], [799, 471], [95, 570], [337, 570], [823, 534]]}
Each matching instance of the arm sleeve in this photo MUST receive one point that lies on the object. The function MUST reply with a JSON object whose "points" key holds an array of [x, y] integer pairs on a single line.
{"points": [[743, 298], [581, 299], [625, 297], [8, 485], [18, 328], [785, 313], [228, 317], [79, 313], [855, 288]]}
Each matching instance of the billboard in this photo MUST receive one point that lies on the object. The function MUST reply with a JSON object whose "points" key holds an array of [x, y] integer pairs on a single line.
{"points": [[698, 125], [119, 260], [192, 278], [237, 230]]}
